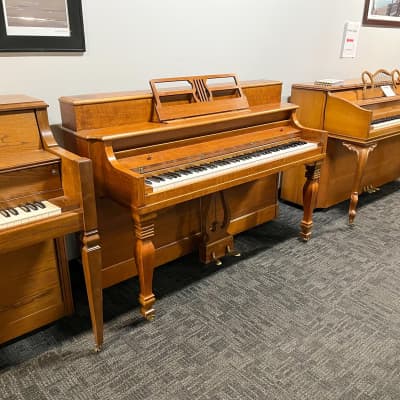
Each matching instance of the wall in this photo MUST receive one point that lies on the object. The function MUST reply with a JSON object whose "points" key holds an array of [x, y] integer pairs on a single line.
{"points": [[130, 41]]}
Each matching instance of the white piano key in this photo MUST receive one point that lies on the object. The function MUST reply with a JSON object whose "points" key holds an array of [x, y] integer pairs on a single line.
{"points": [[33, 215], [170, 183], [384, 124]]}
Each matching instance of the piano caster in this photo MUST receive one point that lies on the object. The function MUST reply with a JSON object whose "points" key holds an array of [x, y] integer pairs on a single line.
{"points": [[149, 315], [233, 253], [216, 260]]}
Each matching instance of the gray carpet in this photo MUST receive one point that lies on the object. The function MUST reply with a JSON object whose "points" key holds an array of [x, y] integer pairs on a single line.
{"points": [[287, 320]]}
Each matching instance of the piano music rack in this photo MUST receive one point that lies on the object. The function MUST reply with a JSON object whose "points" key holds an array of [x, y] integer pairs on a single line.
{"points": [[197, 95]]}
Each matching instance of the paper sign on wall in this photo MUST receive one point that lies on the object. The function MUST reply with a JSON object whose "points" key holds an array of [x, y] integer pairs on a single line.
{"points": [[350, 39]]}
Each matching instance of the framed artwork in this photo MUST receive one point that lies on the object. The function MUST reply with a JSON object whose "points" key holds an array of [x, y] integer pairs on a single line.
{"points": [[382, 13], [41, 25]]}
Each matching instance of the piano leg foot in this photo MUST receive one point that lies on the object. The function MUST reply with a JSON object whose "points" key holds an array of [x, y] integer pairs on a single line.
{"points": [[149, 315], [146, 308], [97, 349], [306, 229]]}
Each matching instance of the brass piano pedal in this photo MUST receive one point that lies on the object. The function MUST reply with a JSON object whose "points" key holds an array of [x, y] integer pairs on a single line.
{"points": [[371, 189], [233, 253], [216, 260]]}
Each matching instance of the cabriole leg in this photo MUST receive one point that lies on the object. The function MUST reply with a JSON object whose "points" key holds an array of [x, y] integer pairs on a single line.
{"points": [[362, 158]]}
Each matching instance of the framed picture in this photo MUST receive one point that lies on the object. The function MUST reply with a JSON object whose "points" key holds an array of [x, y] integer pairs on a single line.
{"points": [[382, 13], [41, 25]]}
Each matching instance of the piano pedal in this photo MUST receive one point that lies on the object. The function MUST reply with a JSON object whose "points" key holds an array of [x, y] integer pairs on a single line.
{"points": [[233, 253], [216, 260], [371, 189]]}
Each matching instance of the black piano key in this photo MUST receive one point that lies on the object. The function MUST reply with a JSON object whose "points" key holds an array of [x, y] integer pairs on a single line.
{"points": [[40, 204], [12, 211], [32, 206], [25, 208], [5, 213]]}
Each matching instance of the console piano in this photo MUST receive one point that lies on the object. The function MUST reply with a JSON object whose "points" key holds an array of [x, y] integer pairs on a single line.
{"points": [[185, 167], [46, 193], [363, 137]]}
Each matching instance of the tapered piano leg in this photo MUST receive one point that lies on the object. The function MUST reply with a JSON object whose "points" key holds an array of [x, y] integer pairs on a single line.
{"points": [[362, 153], [144, 257], [310, 191], [91, 261]]}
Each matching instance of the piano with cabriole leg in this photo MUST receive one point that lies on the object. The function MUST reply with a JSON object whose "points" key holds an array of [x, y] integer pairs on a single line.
{"points": [[185, 167], [363, 127], [46, 193]]}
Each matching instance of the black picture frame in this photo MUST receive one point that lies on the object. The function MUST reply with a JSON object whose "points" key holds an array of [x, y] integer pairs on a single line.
{"points": [[374, 19], [73, 43]]}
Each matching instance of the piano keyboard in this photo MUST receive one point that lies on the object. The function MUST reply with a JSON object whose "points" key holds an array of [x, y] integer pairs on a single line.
{"points": [[384, 122], [27, 213], [180, 177]]}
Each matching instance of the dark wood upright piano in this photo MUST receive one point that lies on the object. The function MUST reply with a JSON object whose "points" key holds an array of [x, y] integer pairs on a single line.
{"points": [[186, 167], [46, 193], [363, 126]]}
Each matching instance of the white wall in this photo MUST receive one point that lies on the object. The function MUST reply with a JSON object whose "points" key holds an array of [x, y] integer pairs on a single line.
{"points": [[131, 41]]}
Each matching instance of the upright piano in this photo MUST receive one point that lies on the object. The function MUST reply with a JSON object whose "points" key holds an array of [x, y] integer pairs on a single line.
{"points": [[46, 193], [363, 127], [185, 167]]}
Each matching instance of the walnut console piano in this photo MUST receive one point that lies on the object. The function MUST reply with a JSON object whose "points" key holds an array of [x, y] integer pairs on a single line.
{"points": [[46, 193], [363, 137], [185, 167]]}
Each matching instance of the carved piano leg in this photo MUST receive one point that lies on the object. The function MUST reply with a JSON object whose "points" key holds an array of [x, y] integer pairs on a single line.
{"points": [[144, 257], [310, 191], [362, 153], [215, 218], [91, 261]]}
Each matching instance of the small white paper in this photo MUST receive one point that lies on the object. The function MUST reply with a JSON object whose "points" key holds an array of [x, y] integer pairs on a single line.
{"points": [[388, 91], [350, 39]]}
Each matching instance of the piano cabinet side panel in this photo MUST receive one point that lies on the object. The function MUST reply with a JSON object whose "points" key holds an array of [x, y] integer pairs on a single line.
{"points": [[337, 172], [311, 107], [115, 112], [18, 132], [177, 228], [34, 288], [263, 94], [311, 115]]}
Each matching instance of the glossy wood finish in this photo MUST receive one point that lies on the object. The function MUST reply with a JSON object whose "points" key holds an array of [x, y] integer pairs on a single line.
{"points": [[127, 142], [347, 111], [33, 263]]}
